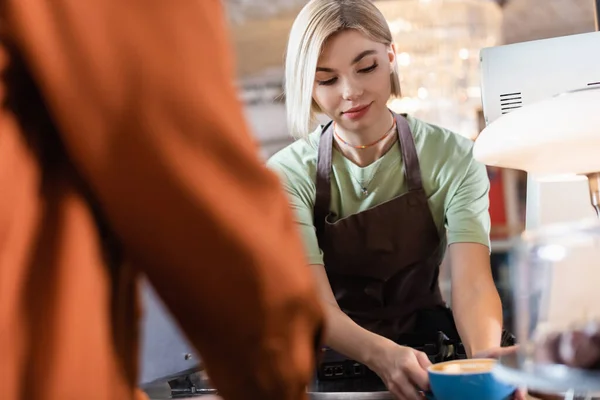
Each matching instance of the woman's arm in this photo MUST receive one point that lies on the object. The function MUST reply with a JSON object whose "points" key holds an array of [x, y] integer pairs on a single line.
{"points": [[401, 368], [343, 334], [475, 301]]}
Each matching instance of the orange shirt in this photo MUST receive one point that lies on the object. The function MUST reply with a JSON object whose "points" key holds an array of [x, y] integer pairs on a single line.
{"points": [[142, 164]]}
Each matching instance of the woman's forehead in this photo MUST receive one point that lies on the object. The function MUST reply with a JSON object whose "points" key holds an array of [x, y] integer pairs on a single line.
{"points": [[342, 47]]}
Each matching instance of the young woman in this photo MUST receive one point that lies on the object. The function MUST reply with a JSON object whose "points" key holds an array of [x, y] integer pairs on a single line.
{"points": [[379, 197]]}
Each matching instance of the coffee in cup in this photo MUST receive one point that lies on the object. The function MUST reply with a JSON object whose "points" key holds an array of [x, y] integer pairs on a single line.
{"points": [[467, 379], [464, 366]]}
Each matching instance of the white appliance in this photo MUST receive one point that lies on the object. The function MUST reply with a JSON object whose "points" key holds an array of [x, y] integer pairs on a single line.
{"points": [[542, 109], [517, 75]]}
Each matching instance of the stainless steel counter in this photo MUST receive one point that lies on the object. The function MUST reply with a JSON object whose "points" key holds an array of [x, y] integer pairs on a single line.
{"points": [[313, 396], [189, 398], [330, 396], [352, 396]]}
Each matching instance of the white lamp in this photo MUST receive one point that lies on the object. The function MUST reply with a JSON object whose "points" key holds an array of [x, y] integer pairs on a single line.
{"points": [[556, 137]]}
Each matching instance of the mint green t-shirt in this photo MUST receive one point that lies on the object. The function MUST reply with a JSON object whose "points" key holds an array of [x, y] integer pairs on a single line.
{"points": [[456, 185]]}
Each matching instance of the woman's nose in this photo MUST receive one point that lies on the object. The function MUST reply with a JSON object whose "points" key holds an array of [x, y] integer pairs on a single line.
{"points": [[351, 90]]}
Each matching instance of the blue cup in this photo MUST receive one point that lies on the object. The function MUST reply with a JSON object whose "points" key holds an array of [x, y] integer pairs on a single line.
{"points": [[467, 379]]}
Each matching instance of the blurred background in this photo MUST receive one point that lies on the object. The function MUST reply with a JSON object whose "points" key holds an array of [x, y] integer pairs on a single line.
{"points": [[438, 43]]}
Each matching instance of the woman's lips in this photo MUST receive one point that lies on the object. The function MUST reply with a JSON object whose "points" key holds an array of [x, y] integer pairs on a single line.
{"points": [[357, 112]]}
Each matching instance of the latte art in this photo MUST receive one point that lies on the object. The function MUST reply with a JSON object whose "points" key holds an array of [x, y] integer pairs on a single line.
{"points": [[464, 367]]}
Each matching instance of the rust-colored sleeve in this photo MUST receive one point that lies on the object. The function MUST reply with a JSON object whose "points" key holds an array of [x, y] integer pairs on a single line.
{"points": [[143, 95]]}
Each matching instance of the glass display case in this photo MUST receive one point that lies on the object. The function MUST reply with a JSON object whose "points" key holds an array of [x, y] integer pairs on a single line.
{"points": [[556, 297]]}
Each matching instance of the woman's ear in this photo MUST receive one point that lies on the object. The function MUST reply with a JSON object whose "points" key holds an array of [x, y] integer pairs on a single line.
{"points": [[392, 55]]}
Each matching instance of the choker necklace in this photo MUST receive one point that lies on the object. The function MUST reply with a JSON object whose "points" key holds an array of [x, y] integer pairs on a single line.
{"points": [[364, 146]]}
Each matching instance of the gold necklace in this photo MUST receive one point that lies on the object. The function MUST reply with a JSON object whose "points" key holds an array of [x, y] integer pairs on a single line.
{"points": [[364, 146]]}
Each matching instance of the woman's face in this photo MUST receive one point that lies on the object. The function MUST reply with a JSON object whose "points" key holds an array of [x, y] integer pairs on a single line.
{"points": [[352, 81]]}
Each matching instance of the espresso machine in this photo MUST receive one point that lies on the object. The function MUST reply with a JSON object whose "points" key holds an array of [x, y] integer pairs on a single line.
{"points": [[541, 103]]}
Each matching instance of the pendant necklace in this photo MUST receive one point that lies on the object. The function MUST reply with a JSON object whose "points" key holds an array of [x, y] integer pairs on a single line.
{"points": [[364, 184]]}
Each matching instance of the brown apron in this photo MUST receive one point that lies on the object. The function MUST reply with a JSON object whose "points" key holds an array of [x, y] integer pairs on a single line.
{"points": [[382, 263]]}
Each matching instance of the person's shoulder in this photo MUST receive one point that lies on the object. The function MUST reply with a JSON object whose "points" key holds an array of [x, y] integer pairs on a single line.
{"points": [[439, 140], [298, 160], [446, 157]]}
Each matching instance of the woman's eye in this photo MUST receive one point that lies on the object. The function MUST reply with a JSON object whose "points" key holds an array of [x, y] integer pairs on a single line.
{"points": [[327, 82], [368, 69]]}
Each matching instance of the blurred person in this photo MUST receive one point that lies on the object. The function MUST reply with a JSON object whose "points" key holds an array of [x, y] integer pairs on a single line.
{"points": [[379, 197], [123, 150]]}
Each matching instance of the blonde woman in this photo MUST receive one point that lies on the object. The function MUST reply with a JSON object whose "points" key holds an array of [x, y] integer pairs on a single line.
{"points": [[379, 197]]}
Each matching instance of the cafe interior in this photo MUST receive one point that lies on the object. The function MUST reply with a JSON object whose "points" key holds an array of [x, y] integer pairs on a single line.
{"points": [[521, 79]]}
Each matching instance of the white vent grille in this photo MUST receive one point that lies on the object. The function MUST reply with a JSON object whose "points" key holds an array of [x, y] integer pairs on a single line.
{"points": [[510, 102]]}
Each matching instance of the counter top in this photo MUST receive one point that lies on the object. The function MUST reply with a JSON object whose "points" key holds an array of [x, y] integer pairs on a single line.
{"points": [[207, 397], [329, 396]]}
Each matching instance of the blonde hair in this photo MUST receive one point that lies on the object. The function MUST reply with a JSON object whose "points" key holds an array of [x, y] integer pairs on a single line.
{"points": [[317, 22]]}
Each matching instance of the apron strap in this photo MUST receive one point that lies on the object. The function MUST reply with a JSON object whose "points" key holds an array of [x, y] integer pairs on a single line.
{"points": [[412, 169], [323, 184]]}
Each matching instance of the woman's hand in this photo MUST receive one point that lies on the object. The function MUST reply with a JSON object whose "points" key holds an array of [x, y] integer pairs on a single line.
{"points": [[403, 370], [497, 352]]}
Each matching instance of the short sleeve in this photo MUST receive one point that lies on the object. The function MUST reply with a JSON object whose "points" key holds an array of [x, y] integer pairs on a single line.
{"points": [[301, 196], [467, 212]]}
